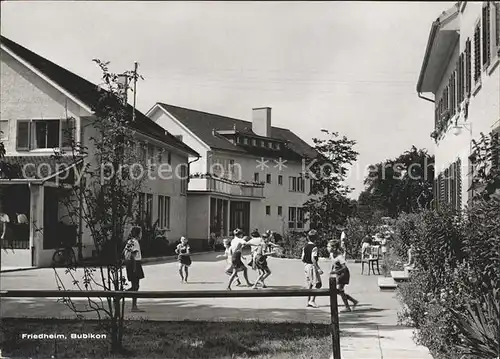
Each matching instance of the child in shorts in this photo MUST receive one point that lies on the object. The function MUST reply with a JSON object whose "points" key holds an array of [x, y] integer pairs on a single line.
{"points": [[340, 269], [227, 254], [184, 256]]}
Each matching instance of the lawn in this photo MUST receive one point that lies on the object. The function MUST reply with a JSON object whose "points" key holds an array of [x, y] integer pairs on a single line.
{"points": [[152, 339]]}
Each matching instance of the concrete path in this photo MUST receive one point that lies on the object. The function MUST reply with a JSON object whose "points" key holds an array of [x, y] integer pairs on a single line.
{"points": [[369, 332]]}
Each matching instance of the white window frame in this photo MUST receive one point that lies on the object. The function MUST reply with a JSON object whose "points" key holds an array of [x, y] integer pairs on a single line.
{"points": [[31, 134]]}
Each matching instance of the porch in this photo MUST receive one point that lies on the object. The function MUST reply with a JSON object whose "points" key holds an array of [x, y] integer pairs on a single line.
{"points": [[36, 219]]}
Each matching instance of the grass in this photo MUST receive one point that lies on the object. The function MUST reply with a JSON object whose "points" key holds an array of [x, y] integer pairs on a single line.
{"points": [[186, 339]]}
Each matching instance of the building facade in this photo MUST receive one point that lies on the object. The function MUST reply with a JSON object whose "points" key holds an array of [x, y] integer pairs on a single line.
{"points": [[250, 174], [39, 101], [461, 72]]}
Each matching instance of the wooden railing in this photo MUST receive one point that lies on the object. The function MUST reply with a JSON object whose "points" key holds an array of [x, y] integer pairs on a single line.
{"points": [[331, 292]]}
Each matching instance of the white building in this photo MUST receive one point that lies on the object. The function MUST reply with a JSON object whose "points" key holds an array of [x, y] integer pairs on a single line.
{"points": [[37, 98], [461, 71], [249, 174]]}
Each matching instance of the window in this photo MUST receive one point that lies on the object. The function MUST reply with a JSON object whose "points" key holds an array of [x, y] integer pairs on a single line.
{"points": [[160, 155], [448, 186], [169, 157], [296, 184], [254, 142], [312, 183], [300, 218], [268, 210], [149, 209], [268, 178], [453, 94], [477, 53], [486, 34], [164, 212], [301, 184], [280, 211], [460, 79], [280, 180], [292, 184], [245, 140], [184, 180], [270, 144], [256, 177], [4, 129], [41, 134], [295, 218], [238, 139], [262, 144], [292, 217]]}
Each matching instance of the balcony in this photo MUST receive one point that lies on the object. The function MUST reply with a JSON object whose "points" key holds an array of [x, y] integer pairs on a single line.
{"points": [[225, 186]]}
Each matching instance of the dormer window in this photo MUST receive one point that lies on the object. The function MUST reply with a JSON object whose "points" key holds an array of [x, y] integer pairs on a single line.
{"points": [[262, 144], [270, 144], [254, 142], [238, 139], [245, 140]]}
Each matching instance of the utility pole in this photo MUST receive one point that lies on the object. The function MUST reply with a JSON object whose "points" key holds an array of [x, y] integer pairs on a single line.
{"points": [[135, 86]]}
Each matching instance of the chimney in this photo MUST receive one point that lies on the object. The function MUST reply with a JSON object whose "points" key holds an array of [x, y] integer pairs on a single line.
{"points": [[261, 121], [122, 82]]}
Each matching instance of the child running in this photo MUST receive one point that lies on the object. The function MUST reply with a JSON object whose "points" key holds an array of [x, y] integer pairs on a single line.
{"points": [[339, 268], [238, 265], [261, 254], [228, 255], [184, 256]]}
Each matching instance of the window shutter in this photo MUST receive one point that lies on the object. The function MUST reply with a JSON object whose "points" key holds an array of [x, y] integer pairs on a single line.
{"points": [[442, 196], [486, 34], [468, 67], [477, 53], [23, 135], [495, 149], [496, 14], [446, 181], [458, 182], [453, 188], [436, 193]]}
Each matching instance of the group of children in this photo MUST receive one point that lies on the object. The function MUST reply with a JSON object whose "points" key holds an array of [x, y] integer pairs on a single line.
{"points": [[262, 247]]}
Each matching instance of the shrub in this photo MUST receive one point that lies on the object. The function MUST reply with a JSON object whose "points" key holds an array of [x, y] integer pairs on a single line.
{"points": [[293, 243], [356, 230], [457, 261]]}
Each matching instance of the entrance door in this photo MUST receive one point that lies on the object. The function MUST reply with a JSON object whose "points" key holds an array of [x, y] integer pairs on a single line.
{"points": [[239, 216]]}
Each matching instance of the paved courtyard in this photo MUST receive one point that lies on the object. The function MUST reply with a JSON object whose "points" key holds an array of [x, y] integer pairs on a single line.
{"points": [[369, 332]]}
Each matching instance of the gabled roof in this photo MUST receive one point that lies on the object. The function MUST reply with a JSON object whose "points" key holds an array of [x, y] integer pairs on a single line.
{"points": [[89, 94], [203, 124]]}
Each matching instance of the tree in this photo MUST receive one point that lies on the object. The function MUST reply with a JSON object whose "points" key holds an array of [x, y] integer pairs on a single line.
{"points": [[403, 184], [329, 206], [103, 199]]}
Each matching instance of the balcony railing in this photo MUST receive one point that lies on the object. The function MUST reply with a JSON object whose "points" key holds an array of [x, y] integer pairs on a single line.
{"points": [[226, 186]]}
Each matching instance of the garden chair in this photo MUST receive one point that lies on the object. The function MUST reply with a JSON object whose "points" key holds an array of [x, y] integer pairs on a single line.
{"points": [[371, 257]]}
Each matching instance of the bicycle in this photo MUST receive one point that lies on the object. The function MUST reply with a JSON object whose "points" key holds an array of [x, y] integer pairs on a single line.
{"points": [[64, 257]]}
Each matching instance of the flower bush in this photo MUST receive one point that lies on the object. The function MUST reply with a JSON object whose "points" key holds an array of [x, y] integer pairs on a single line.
{"points": [[457, 266]]}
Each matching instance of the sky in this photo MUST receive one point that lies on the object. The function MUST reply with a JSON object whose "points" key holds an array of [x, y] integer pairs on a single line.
{"points": [[349, 67]]}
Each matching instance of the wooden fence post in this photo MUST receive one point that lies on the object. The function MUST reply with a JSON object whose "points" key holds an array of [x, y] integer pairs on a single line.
{"points": [[334, 314]]}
